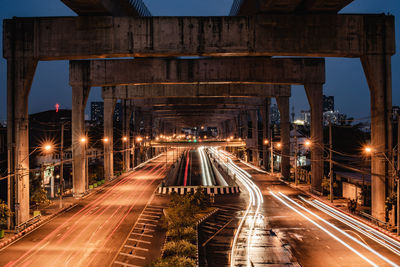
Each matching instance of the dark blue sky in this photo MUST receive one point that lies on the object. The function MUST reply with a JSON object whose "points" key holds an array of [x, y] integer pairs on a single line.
{"points": [[345, 77]]}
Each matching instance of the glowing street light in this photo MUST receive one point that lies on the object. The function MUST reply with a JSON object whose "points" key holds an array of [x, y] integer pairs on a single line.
{"points": [[368, 149], [83, 140], [266, 142], [124, 138], [139, 139], [278, 145], [307, 143], [48, 147], [105, 139]]}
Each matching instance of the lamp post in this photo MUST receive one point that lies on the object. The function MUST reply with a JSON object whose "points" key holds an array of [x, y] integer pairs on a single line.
{"points": [[369, 150], [46, 148]]}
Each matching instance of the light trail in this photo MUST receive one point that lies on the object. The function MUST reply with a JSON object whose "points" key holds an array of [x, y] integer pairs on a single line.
{"points": [[256, 199], [341, 231], [186, 169], [82, 212], [323, 229], [357, 225]]}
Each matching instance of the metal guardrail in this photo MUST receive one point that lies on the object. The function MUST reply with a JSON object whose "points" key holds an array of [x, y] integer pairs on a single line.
{"points": [[28, 223], [374, 220], [141, 8]]}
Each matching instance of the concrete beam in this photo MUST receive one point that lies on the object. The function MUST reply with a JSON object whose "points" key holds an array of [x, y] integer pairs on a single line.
{"points": [[253, 70], [252, 7], [172, 102], [195, 90], [56, 38], [108, 7]]}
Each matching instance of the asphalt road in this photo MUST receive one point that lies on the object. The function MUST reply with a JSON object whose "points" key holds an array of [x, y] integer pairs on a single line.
{"points": [[91, 233], [308, 239]]}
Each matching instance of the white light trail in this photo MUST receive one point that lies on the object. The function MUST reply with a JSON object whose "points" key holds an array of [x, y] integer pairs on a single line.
{"points": [[323, 229], [341, 231], [357, 225], [255, 199]]}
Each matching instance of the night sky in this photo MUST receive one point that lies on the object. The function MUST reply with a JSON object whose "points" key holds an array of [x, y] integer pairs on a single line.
{"points": [[345, 77]]}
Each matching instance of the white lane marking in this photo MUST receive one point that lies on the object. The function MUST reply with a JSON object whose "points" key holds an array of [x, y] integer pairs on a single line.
{"points": [[139, 241], [138, 248], [147, 224], [145, 235], [132, 256], [125, 264]]}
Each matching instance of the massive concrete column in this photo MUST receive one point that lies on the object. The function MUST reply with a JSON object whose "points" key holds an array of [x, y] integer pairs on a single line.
{"points": [[314, 95], [254, 141], [20, 74], [109, 105], [79, 139], [283, 106], [127, 108], [377, 69], [265, 124]]}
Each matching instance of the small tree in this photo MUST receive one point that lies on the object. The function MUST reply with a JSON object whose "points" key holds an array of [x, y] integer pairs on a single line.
{"points": [[5, 213], [39, 197]]}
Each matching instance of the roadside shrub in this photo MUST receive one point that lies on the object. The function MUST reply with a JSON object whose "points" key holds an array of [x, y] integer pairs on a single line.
{"points": [[176, 261], [187, 233], [179, 248]]}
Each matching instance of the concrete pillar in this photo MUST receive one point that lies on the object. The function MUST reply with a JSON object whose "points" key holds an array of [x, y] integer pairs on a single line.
{"points": [[265, 124], [283, 106], [20, 74], [127, 113], [377, 70], [79, 98], [255, 145], [314, 95], [109, 105]]}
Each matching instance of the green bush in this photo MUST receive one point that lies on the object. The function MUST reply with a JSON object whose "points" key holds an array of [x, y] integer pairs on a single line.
{"points": [[175, 261], [179, 248], [5, 213], [39, 196], [186, 233]]}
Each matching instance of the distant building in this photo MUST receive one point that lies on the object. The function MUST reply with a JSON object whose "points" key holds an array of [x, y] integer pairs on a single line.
{"points": [[306, 117], [395, 112], [275, 117], [328, 103], [97, 112]]}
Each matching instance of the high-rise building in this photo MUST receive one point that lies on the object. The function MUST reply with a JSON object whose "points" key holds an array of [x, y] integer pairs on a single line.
{"points": [[329, 103], [275, 117], [97, 112]]}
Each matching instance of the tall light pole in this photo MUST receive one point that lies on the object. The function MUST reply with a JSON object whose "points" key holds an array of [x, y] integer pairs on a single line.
{"points": [[296, 180], [61, 164], [398, 173]]}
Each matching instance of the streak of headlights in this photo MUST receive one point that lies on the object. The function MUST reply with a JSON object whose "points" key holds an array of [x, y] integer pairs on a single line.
{"points": [[321, 227], [205, 172], [255, 199], [341, 231], [358, 226]]}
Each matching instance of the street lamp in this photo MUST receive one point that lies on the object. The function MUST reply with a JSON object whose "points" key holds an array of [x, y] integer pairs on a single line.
{"points": [[369, 151]]}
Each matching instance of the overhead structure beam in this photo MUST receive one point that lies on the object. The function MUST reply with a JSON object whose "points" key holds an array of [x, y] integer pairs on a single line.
{"points": [[108, 7], [252, 7], [253, 70], [286, 35], [172, 102], [195, 91]]}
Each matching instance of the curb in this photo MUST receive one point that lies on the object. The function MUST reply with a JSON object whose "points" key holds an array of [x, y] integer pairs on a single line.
{"points": [[388, 233]]}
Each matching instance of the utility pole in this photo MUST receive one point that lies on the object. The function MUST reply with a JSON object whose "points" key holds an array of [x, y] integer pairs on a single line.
{"points": [[398, 173], [272, 154], [61, 164], [295, 155], [330, 163]]}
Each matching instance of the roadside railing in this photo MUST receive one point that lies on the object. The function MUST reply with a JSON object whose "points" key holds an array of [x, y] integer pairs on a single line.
{"points": [[28, 223], [374, 220]]}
